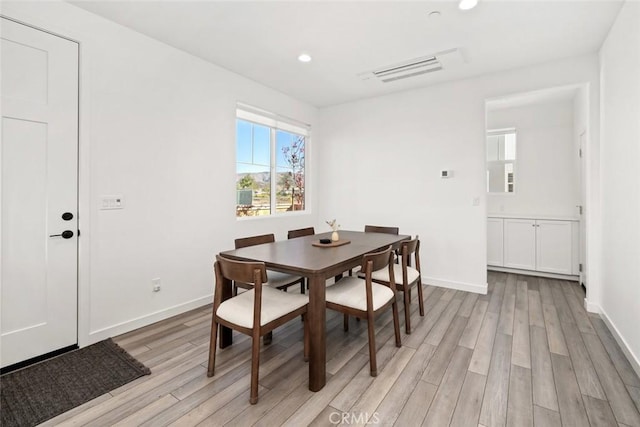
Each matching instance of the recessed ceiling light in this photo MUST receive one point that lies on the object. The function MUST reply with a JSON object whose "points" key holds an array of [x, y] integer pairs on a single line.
{"points": [[304, 58], [434, 14], [467, 4]]}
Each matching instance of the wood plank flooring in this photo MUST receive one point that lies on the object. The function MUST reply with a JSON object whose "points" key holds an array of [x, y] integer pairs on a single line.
{"points": [[525, 354]]}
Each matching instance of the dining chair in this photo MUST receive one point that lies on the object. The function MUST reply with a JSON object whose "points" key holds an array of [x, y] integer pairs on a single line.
{"points": [[381, 229], [365, 299], [255, 312], [308, 231], [373, 229], [277, 279], [410, 275]]}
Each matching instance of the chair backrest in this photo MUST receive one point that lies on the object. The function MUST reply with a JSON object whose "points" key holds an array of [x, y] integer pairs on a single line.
{"points": [[409, 247], [378, 260], [309, 231], [381, 229], [240, 271], [243, 242]]}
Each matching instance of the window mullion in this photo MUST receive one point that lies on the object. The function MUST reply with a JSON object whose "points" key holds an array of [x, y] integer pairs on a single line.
{"points": [[273, 171]]}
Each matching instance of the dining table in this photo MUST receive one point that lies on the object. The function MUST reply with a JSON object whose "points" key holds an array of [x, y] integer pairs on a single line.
{"points": [[305, 256]]}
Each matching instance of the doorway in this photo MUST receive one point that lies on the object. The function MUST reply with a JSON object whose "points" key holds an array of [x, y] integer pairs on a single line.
{"points": [[535, 182], [39, 161]]}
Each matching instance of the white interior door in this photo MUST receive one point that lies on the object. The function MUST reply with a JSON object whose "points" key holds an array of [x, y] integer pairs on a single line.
{"points": [[39, 101]]}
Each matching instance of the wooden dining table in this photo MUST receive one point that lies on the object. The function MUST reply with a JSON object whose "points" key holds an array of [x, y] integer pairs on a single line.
{"points": [[300, 257]]}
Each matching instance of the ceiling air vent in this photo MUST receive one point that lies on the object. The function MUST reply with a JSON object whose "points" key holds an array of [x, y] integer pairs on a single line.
{"points": [[414, 67]]}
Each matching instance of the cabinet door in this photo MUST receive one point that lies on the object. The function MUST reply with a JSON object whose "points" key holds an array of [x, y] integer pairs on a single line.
{"points": [[554, 243], [495, 242], [520, 243]]}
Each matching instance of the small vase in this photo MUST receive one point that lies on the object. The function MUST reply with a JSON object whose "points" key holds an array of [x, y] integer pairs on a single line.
{"points": [[335, 236]]}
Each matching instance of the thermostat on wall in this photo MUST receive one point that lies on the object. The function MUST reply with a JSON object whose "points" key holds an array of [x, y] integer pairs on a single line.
{"points": [[446, 174]]}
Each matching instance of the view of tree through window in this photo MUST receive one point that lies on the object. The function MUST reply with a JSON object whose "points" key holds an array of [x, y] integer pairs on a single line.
{"points": [[270, 172]]}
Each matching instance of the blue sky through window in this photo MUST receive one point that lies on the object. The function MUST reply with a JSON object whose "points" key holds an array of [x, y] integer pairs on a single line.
{"points": [[253, 151]]}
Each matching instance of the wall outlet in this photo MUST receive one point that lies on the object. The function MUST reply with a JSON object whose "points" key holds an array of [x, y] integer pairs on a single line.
{"points": [[155, 283]]}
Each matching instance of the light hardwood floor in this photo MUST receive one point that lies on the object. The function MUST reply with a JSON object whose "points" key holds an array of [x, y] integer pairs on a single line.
{"points": [[525, 354]]}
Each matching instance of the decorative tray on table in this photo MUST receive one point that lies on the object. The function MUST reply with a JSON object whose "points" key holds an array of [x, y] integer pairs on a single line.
{"points": [[331, 244]]}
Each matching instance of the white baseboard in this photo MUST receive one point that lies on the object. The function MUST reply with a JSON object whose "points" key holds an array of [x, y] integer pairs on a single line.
{"points": [[145, 320], [632, 358], [460, 286], [534, 273], [591, 307]]}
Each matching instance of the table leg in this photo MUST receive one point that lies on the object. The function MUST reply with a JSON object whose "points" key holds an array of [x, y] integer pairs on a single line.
{"points": [[316, 317], [226, 334]]}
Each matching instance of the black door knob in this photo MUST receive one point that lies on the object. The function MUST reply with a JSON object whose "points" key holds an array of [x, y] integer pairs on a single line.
{"points": [[66, 234], [67, 216]]}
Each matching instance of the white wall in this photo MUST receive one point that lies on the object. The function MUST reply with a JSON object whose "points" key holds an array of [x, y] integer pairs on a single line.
{"points": [[546, 177], [620, 85], [381, 157], [158, 127]]}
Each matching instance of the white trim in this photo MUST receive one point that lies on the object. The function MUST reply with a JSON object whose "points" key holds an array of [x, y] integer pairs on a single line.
{"points": [[148, 319], [591, 307], [633, 359], [461, 286], [273, 120], [533, 273]]}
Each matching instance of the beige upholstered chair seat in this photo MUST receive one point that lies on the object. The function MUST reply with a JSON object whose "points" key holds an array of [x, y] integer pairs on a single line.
{"points": [[278, 279], [268, 306], [275, 304], [383, 274], [351, 292]]}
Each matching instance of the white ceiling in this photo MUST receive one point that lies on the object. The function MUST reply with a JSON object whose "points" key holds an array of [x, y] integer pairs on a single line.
{"points": [[261, 40]]}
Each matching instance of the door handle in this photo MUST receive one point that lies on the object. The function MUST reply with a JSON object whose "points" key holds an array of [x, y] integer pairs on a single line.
{"points": [[67, 234]]}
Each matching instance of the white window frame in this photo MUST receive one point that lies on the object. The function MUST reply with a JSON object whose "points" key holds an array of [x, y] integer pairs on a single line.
{"points": [[276, 122], [497, 132]]}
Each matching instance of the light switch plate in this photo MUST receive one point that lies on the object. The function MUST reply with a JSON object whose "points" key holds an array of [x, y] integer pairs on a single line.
{"points": [[111, 202]]}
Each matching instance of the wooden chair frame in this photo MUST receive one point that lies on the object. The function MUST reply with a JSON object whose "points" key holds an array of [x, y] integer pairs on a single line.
{"points": [[308, 231], [244, 242], [408, 248], [372, 262], [256, 273], [381, 229]]}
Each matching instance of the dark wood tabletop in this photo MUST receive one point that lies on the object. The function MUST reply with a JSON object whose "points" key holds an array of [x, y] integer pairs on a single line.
{"points": [[298, 256]]}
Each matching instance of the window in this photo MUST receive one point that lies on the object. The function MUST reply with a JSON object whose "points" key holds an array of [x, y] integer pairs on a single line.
{"points": [[501, 160], [270, 163]]}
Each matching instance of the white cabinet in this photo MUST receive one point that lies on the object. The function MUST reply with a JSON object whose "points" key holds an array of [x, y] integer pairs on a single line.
{"points": [[553, 246], [495, 253], [520, 243], [543, 245]]}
